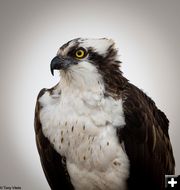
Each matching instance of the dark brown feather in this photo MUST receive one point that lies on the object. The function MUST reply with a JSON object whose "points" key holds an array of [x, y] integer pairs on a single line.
{"points": [[54, 165], [146, 141], [145, 134]]}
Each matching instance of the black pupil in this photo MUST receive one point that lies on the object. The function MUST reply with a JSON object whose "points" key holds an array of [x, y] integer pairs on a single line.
{"points": [[79, 52]]}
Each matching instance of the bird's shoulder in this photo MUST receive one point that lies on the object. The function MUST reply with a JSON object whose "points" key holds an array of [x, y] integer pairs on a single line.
{"points": [[140, 110], [146, 138]]}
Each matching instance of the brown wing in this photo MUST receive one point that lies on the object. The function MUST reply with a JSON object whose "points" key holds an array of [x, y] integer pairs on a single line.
{"points": [[53, 164], [146, 141]]}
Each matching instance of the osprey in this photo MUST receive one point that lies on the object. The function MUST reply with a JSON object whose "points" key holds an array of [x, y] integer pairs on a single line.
{"points": [[97, 131]]}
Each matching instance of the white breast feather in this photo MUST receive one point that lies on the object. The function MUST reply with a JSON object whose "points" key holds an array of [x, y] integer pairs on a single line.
{"points": [[81, 123]]}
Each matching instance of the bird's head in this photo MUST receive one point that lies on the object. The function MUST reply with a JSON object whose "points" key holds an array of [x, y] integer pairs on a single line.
{"points": [[86, 60]]}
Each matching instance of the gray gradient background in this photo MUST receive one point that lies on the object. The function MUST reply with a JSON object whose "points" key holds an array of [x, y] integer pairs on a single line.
{"points": [[147, 34]]}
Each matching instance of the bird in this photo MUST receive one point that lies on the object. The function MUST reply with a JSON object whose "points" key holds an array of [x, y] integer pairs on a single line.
{"points": [[94, 129]]}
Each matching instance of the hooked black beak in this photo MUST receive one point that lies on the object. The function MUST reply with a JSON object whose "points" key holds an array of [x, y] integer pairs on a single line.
{"points": [[59, 63]]}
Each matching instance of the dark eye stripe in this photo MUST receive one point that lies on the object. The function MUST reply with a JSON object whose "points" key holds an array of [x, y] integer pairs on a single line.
{"points": [[72, 51]]}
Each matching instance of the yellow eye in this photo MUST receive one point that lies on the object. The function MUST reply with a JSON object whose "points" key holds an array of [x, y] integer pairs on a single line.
{"points": [[80, 53]]}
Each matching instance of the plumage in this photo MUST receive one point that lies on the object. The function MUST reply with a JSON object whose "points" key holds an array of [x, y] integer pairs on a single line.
{"points": [[96, 130]]}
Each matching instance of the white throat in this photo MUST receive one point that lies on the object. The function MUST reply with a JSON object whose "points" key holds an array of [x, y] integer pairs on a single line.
{"points": [[83, 76]]}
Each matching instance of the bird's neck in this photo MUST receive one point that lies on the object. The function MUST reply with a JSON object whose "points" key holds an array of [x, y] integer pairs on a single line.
{"points": [[80, 83], [108, 81]]}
